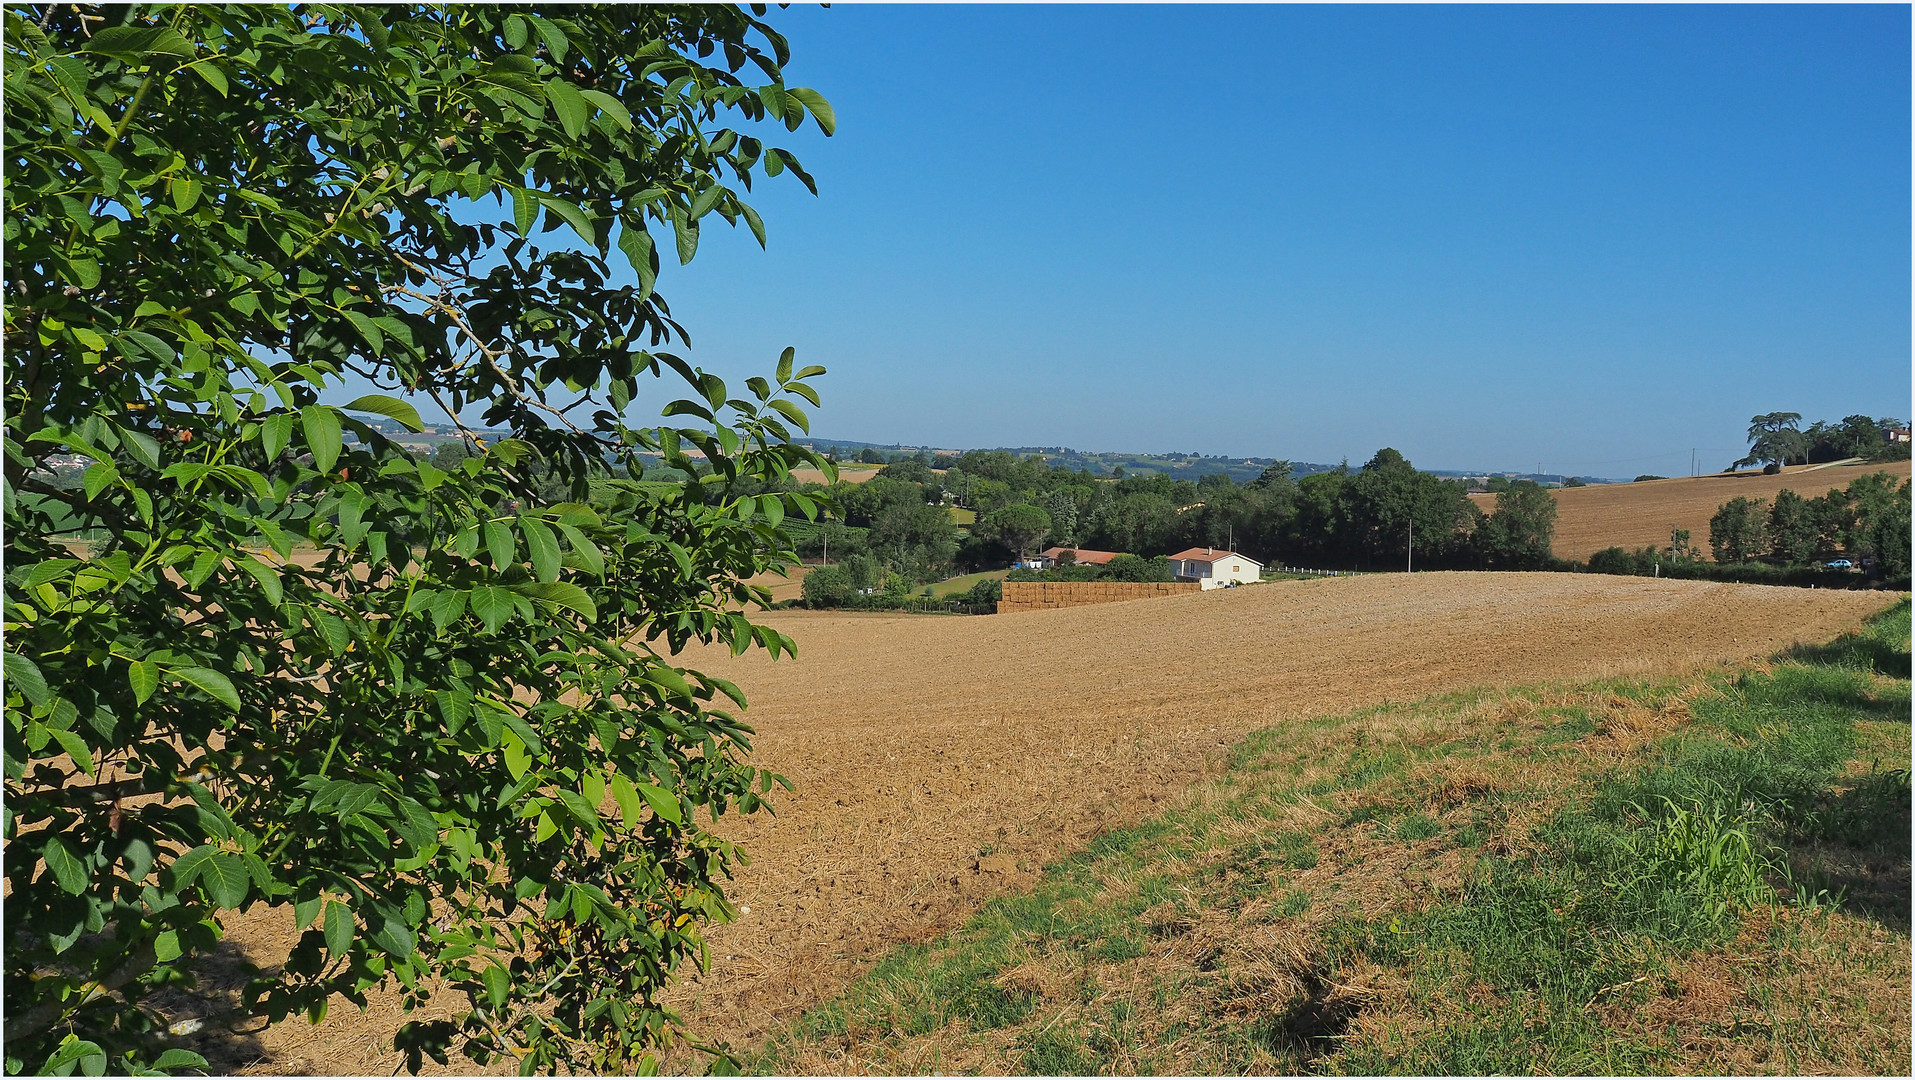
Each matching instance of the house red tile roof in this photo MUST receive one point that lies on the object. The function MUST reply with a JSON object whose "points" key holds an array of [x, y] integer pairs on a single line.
{"points": [[1084, 555], [1206, 555]]}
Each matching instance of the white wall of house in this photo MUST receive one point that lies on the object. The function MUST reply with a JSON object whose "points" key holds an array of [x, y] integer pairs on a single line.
{"points": [[1220, 573]]}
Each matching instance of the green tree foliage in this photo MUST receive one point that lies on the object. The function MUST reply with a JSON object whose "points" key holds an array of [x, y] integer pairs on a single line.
{"points": [[1793, 529], [448, 456], [1022, 528], [1737, 532], [871, 456], [1128, 567], [1775, 438], [1061, 507], [413, 744], [1518, 534]]}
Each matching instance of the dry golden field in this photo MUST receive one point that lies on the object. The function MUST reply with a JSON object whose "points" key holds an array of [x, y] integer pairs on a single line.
{"points": [[849, 472], [1589, 519], [942, 759]]}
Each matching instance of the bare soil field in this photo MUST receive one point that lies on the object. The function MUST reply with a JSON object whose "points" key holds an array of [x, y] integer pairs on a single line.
{"points": [[941, 760], [1589, 519]]}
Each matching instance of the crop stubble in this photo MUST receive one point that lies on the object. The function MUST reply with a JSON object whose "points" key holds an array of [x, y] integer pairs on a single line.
{"points": [[940, 760]]}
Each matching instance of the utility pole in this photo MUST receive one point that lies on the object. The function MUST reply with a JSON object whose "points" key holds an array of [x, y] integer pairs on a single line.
{"points": [[1409, 562]]}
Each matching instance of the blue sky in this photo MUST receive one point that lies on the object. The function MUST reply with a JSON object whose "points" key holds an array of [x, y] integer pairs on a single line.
{"points": [[1491, 237]]}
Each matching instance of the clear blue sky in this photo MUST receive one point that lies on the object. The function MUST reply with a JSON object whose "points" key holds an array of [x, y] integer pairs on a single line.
{"points": [[1487, 236]]}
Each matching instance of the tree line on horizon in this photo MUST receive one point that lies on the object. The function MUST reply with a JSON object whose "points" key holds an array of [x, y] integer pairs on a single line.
{"points": [[896, 530]]}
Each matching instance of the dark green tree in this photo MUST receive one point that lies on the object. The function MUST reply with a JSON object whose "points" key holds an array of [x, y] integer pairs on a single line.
{"points": [[1775, 439], [1793, 531], [1737, 531], [1517, 536], [1021, 528], [408, 740]]}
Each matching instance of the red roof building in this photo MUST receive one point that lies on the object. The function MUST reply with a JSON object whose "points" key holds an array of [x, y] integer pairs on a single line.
{"points": [[1082, 555]]}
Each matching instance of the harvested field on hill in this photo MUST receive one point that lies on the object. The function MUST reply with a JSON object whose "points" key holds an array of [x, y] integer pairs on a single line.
{"points": [[941, 760], [850, 474], [1589, 519]]}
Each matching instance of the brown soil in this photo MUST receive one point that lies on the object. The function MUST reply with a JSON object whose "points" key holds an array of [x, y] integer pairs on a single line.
{"points": [[941, 759], [1589, 519]]}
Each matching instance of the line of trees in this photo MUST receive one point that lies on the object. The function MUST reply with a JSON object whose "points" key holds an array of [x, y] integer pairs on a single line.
{"points": [[1777, 439], [897, 530], [1869, 520]]}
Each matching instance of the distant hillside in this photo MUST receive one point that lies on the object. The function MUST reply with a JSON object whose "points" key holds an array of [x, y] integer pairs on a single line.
{"points": [[1589, 519]]}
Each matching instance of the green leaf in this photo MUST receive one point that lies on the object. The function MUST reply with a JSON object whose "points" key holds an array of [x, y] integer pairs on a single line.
{"points": [[24, 675], [589, 556], [636, 243], [525, 210], [492, 605], [792, 413], [139, 42], [516, 759], [216, 686], [274, 433], [498, 985], [821, 110], [569, 105], [543, 548], [395, 937], [499, 544], [662, 802], [76, 1051], [166, 947], [686, 233], [323, 436], [144, 676], [266, 576], [670, 681], [76, 748], [185, 191], [178, 1060], [563, 594], [339, 929], [610, 106], [67, 868], [144, 448], [214, 77], [572, 215], [225, 879], [389, 407], [629, 804]]}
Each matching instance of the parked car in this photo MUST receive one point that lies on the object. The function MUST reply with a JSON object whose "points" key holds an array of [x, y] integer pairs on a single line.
{"points": [[1839, 564]]}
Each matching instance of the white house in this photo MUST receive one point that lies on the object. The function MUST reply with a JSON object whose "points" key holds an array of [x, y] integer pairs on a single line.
{"points": [[1214, 569]]}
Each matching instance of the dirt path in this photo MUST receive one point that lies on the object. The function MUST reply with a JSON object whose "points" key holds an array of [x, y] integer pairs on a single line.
{"points": [[943, 759]]}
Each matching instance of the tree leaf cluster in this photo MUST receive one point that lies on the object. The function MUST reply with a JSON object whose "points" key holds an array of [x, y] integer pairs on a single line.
{"points": [[430, 710]]}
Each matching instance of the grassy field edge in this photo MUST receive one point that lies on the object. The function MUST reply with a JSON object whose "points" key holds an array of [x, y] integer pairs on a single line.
{"points": [[1695, 875]]}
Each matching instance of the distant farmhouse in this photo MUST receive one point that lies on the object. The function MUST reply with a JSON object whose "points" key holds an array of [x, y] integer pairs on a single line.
{"points": [[1050, 557], [1215, 569]]}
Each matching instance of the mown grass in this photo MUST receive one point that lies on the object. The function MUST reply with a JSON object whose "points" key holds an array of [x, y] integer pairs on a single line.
{"points": [[1679, 876], [963, 583]]}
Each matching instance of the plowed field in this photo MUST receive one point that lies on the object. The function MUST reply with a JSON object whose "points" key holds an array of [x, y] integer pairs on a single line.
{"points": [[940, 760], [1589, 519]]}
